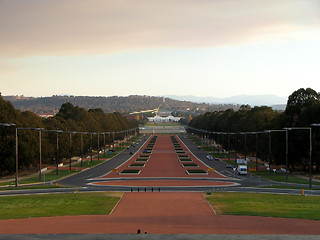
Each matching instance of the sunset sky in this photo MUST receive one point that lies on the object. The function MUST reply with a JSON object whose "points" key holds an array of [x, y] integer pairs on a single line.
{"points": [[217, 48]]}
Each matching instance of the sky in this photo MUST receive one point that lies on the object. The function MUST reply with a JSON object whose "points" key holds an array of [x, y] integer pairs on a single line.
{"points": [[208, 48]]}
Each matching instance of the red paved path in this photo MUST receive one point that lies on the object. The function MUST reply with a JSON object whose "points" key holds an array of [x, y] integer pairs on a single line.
{"points": [[164, 162], [174, 213]]}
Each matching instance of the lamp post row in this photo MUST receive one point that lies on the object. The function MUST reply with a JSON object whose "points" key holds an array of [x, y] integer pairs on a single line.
{"points": [[270, 146], [57, 147]]}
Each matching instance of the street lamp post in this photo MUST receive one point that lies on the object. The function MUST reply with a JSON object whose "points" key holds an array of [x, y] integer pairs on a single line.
{"points": [[104, 144], [57, 150], [57, 158], [91, 147], [98, 147], [70, 151], [287, 152], [16, 150], [38, 129], [270, 153], [310, 148], [81, 143]]}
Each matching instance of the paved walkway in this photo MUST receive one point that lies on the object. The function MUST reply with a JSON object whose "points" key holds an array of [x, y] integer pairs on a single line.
{"points": [[160, 213]]}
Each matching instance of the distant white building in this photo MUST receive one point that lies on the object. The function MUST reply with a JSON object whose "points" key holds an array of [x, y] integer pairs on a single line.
{"points": [[163, 115], [158, 118]]}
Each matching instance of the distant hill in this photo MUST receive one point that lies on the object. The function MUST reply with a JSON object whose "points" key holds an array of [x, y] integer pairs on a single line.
{"points": [[51, 105], [252, 100]]}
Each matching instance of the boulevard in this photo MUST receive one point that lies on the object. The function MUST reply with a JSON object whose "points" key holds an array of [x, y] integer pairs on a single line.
{"points": [[83, 181], [162, 199]]}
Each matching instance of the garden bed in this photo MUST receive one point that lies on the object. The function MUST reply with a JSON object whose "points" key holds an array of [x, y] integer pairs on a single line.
{"points": [[136, 165], [142, 160], [130, 171], [182, 156], [189, 165], [196, 171], [185, 160]]}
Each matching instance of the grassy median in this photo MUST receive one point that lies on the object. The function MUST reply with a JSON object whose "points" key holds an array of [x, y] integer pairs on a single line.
{"points": [[48, 205], [267, 205]]}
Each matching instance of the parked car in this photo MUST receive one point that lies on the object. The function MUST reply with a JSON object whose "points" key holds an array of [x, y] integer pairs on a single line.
{"points": [[209, 157], [217, 159], [228, 166]]}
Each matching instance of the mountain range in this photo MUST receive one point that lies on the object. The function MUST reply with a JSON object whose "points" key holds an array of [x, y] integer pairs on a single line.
{"points": [[252, 100], [133, 103]]}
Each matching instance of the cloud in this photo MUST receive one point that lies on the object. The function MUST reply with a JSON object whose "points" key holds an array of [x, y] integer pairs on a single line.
{"points": [[71, 27]]}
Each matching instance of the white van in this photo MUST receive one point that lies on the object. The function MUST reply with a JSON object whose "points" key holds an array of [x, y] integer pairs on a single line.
{"points": [[242, 169]]}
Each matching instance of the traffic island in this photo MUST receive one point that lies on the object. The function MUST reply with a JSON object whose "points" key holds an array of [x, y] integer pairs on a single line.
{"points": [[142, 160], [130, 171], [185, 160], [189, 165], [136, 165], [183, 156], [196, 171]]}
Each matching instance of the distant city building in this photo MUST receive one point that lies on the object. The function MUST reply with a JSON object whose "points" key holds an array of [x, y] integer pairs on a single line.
{"points": [[163, 115], [46, 115], [164, 119]]}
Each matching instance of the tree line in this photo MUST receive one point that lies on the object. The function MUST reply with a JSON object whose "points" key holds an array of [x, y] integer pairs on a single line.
{"points": [[124, 105], [69, 118], [302, 110]]}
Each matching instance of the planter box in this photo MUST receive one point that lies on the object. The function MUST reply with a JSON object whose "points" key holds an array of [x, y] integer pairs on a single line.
{"points": [[189, 165], [142, 160], [130, 171], [196, 171], [136, 165], [185, 160]]}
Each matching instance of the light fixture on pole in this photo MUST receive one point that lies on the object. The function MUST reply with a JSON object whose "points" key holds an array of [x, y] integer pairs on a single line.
{"points": [[270, 153], [310, 147], [16, 150], [57, 150]]}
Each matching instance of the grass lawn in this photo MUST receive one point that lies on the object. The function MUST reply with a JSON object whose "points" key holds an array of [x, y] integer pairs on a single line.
{"points": [[267, 205], [291, 187], [281, 177], [87, 163], [48, 176], [29, 187], [45, 177], [223, 155], [57, 204], [107, 155]]}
